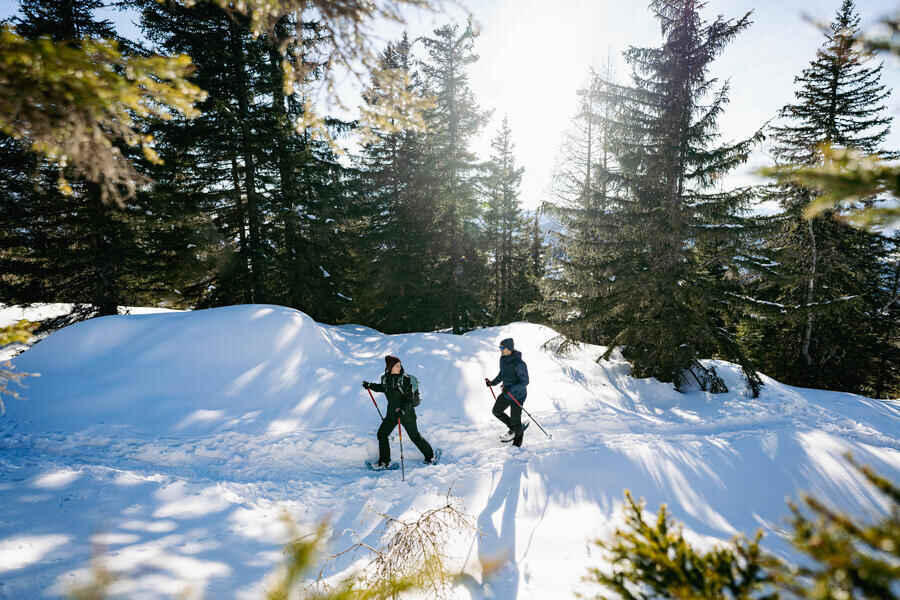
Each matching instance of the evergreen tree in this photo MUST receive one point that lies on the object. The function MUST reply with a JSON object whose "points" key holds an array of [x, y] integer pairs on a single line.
{"points": [[583, 188], [63, 20], [669, 233], [456, 119], [827, 286], [215, 157], [508, 232], [846, 558], [279, 198], [80, 249], [71, 93], [885, 378], [840, 99], [401, 292], [654, 560]]}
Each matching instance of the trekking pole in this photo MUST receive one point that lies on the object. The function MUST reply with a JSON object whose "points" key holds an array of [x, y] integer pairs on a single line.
{"points": [[402, 467], [490, 387], [375, 403], [527, 413]]}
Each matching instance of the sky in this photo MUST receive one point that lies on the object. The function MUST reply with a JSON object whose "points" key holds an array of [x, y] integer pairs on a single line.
{"points": [[535, 55]]}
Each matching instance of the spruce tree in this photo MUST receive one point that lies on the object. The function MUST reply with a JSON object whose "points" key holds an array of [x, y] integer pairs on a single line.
{"points": [[63, 21], [844, 556], [453, 123], [826, 287], [508, 232], [671, 231], [582, 191], [282, 202], [79, 248], [215, 157], [400, 291]]}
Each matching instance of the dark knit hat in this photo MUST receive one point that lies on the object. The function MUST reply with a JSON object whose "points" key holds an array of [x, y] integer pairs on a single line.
{"points": [[508, 344], [389, 362]]}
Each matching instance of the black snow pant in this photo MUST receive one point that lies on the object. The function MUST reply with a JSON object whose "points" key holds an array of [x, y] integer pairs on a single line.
{"points": [[514, 421], [408, 420]]}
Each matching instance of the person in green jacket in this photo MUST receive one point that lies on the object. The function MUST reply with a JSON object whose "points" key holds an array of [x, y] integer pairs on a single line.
{"points": [[397, 386]]}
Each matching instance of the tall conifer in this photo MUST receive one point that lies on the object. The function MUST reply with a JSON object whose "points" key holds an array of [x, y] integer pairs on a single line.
{"points": [[453, 123], [508, 231], [582, 190], [79, 249], [825, 286], [672, 233], [400, 291]]}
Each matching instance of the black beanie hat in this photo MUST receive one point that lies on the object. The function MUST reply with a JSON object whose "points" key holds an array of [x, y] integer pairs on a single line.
{"points": [[508, 344], [389, 362]]}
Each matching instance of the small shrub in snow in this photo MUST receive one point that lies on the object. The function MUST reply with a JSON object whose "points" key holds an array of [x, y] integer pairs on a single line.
{"points": [[412, 558], [654, 560], [18, 333], [415, 550], [849, 559]]}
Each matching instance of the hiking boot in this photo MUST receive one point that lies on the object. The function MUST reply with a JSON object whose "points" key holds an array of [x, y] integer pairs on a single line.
{"points": [[510, 435], [517, 440]]}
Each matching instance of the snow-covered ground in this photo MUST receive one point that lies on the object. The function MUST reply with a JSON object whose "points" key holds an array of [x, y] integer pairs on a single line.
{"points": [[174, 441]]}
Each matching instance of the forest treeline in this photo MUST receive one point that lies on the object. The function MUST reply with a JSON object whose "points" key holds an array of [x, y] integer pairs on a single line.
{"points": [[240, 194]]}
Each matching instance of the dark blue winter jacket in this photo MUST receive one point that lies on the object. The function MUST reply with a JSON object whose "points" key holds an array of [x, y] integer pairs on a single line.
{"points": [[514, 375]]}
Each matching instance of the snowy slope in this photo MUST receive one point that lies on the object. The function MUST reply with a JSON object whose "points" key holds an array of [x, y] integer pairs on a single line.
{"points": [[175, 441]]}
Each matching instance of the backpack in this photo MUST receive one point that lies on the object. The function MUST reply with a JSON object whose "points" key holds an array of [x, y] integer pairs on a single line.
{"points": [[414, 384]]}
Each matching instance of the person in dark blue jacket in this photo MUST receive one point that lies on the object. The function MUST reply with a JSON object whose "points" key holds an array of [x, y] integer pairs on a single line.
{"points": [[514, 375]]}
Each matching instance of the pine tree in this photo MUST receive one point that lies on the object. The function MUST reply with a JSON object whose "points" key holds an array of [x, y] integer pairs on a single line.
{"points": [[844, 556], [62, 21], [215, 157], [282, 202], [654, 560], [507, 230], [669, 233], [80, 249], [453, 123], [401, 292], [840, 99], [582, 189], [826, 285]]}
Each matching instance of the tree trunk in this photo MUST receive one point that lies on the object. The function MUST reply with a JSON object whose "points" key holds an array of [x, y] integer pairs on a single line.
{"points": [[286, 179], [810, 296], [106, 292], [253, 208], [242, 225]]}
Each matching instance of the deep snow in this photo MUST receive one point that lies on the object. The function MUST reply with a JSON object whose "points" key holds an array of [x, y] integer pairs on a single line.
{"points": [[174, 441]]}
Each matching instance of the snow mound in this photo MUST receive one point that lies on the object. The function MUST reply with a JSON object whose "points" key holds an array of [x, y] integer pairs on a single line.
{"points": [[248, 369]]}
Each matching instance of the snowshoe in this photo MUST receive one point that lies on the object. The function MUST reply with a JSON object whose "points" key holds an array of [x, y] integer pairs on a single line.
{"points": [[377, 466], [437, 457], [510, 435]]}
